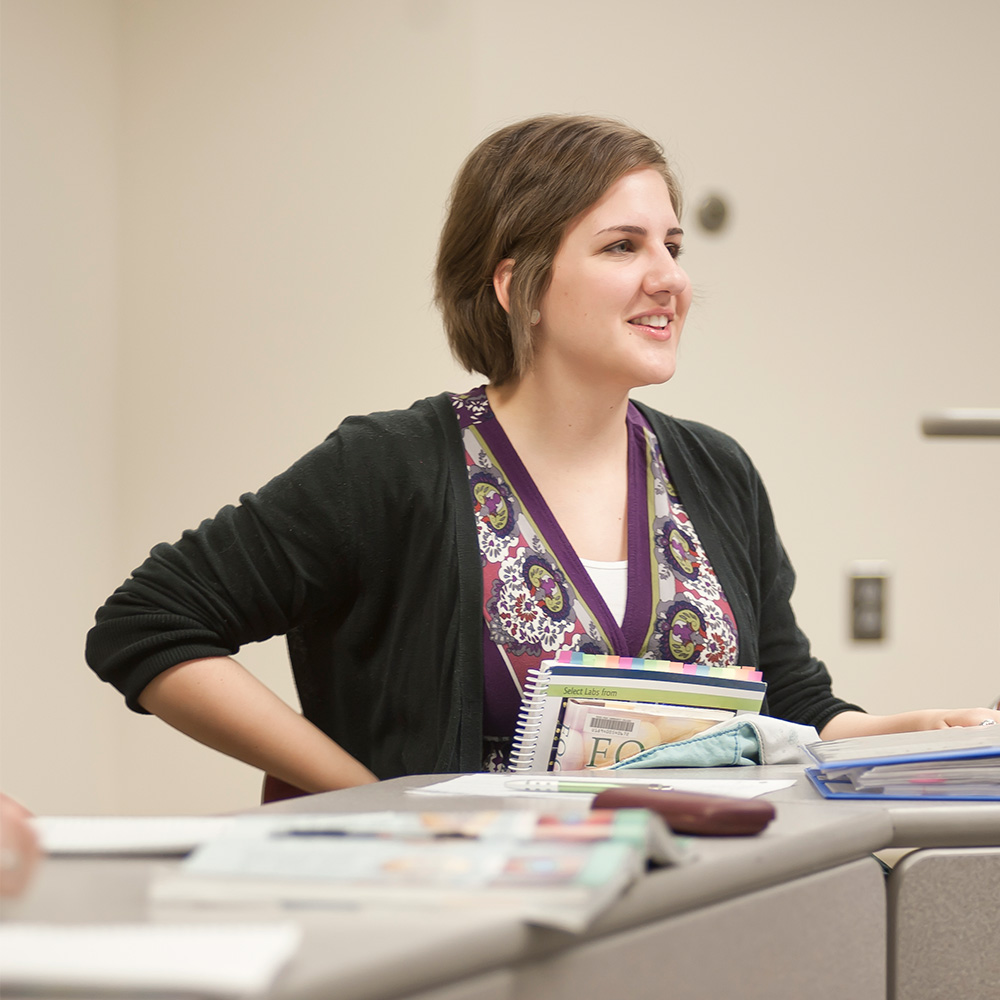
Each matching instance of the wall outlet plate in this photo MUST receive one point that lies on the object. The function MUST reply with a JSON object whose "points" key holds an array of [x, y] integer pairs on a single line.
{"points": [[868, 600]]}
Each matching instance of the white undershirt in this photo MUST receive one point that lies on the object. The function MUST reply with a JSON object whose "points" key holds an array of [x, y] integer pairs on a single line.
{"points": [[611, 580]]}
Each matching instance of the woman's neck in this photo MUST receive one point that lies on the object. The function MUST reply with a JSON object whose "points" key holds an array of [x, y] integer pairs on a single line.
{"points": [[575, 448], [554, 417]]}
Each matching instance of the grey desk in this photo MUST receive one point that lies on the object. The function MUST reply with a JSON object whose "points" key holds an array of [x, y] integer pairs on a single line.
{"points": [[796, 911], [914, 823], [767, 916], [943, 897], [944, 925], [944, 902]]}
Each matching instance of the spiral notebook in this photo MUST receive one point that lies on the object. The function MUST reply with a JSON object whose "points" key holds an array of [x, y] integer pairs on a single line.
{"points": [[582, 710]]}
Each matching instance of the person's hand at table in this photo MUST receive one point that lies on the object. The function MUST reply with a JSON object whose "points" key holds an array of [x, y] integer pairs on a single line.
{"points": [[19, 847]]}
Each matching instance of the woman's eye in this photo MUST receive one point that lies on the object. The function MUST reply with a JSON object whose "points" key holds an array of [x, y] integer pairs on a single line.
{"points": [[622, 246], [675, 249]]}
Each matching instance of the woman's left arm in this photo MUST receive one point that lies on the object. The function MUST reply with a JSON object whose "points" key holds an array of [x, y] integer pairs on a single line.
{"points": [[848, 724]]}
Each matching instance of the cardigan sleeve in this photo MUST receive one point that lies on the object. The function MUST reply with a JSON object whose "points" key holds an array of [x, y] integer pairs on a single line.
{"points": [[253, 571], [364, 555]]}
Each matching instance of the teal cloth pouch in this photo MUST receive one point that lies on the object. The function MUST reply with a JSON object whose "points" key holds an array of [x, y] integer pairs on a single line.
{"points": [[742, 740]]}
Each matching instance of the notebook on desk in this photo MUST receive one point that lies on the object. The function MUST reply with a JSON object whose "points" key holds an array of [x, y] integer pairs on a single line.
{"points": [[960, 763], [582, 711]]}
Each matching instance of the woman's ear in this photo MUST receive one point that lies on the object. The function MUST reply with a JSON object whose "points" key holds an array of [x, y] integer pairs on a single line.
{"points": [[501, 282]]}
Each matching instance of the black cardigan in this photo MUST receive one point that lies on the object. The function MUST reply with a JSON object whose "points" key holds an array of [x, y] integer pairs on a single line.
{"points": [[364, 553]]}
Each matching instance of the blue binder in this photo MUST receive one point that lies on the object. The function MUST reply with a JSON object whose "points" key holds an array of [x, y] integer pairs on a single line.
{"points": [[833, 779]]}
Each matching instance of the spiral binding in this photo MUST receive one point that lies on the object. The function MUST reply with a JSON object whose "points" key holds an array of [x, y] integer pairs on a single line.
{"points": [[529, 718]]}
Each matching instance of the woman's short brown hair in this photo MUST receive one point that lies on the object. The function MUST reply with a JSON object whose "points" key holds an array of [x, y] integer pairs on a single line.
{"points": [[514, 196]]}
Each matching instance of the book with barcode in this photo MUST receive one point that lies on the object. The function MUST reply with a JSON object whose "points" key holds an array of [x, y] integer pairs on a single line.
{"points": [[583, 711]]}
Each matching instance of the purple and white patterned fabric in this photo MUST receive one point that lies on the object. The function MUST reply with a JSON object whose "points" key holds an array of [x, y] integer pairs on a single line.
{"points": [[537, 596]]}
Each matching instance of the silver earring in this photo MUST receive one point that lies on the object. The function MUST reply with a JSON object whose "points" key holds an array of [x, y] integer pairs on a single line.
{"points": [[535, 316]]}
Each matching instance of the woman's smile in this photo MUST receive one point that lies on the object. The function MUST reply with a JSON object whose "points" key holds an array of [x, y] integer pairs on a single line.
{"points": [[656, 325]]}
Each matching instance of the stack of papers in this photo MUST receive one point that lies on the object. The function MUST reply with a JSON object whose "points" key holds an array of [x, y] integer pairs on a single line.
{"points": [[559, 871], [956, 763]]}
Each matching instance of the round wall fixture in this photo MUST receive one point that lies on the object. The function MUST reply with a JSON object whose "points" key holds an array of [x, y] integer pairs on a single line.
{"points": [[713, 213]]}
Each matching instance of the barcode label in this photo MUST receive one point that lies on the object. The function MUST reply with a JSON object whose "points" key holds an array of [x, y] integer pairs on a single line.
{"points": [[606, 724]]}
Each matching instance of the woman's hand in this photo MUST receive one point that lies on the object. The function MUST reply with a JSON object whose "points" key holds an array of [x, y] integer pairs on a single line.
{"points": [[849, 724], [19, 848], [946, 717]]}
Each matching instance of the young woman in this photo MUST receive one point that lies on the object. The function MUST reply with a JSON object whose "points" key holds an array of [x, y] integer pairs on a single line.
{"points": [[421, 561]]}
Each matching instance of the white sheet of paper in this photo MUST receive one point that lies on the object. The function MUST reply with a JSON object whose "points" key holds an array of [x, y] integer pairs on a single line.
{"points": [[497, 785], [127, 834], [164, 835], [223, 960]]}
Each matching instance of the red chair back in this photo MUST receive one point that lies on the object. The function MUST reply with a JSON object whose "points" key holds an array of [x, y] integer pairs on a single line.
{"points": [[276, 790]]}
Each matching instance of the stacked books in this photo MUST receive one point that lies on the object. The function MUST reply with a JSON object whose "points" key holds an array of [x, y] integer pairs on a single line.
{"points": [[583, 710], [956, 763], [554, 870]]}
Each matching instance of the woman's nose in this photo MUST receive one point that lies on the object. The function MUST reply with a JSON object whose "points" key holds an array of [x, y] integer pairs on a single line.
{"points": [[665, 274]]}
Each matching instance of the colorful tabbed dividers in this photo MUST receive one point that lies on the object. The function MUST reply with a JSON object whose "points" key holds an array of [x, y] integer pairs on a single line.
{"points": [[573, 658]]}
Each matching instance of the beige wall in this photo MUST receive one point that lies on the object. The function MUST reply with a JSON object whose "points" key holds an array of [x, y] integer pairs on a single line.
{"points": [[219, 218], [59, 731]]}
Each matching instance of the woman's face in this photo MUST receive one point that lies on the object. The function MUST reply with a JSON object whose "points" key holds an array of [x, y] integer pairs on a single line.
{"points": [[617, 299]]}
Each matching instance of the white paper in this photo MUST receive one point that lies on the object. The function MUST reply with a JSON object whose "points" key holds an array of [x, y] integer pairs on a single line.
{"points": [[498, 785], [127, 834], [223, 960], [167, 835]]}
